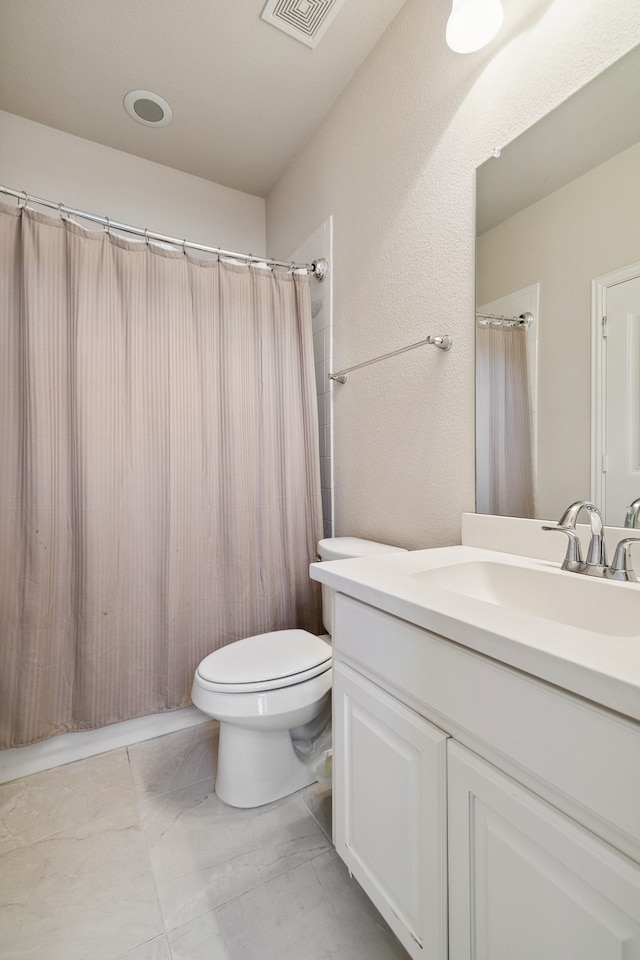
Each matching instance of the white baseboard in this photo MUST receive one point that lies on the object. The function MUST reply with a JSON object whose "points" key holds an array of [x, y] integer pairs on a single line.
{"points": [[67, 747]]}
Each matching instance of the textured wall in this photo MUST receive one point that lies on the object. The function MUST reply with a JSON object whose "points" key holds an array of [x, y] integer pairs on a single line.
{"points": [[394, 163]]}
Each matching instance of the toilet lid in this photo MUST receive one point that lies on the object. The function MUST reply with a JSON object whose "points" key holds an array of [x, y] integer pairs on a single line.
{"points": [[268, 660]]}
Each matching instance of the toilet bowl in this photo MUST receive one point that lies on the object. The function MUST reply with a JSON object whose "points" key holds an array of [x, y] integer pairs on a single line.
{"points": [[268, 691]]}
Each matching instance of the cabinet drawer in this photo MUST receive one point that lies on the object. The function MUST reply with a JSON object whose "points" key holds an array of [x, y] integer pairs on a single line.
{"points": [[586, 756]]}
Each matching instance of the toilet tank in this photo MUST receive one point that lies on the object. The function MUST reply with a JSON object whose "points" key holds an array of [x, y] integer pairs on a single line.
{"points": [[346, 548]]}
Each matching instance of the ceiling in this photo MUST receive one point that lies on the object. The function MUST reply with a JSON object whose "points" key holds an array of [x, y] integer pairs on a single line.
{"points": [[245, 96]]}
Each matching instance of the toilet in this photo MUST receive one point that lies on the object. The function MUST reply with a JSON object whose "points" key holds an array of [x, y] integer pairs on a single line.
{"points": [[268, 691]]}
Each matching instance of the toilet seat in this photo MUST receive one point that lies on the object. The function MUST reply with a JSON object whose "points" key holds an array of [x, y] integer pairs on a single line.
{"points": [[267, 661]]}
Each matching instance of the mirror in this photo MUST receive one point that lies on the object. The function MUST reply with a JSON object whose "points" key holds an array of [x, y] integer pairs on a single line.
{"points": [[558, 237]]}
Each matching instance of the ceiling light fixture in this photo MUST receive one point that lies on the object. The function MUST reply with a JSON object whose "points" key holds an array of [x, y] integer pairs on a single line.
{"points": [[148, 108], [472, 24]]}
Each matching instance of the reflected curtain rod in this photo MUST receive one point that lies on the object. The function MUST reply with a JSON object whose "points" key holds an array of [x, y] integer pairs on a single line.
{"points": [[443, 343], [493, 320], [318, 268]]}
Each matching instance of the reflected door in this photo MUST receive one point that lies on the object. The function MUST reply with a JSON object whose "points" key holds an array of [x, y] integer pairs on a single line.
{"points": [[622, 399]]}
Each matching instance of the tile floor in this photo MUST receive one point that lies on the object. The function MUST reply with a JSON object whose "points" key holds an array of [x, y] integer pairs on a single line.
{"points": [[130, 856]]}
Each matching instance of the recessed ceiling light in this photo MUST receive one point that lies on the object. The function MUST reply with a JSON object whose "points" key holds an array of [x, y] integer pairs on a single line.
{"points": [[148, 108]]}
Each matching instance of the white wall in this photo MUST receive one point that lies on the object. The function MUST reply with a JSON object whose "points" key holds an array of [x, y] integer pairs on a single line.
{"points": [[394, 163], [88, 176]]}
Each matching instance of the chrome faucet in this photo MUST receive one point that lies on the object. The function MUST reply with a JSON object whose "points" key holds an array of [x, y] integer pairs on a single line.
{"points": [[632, 517], [596, 562]]}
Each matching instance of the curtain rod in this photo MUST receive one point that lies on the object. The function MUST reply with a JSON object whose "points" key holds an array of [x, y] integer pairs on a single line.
{"points": [[318, 267], [443, 343], [492, 320]]}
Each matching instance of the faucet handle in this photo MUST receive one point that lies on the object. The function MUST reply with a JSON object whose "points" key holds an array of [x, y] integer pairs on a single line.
{"points": [[573, 560], [621, 567], [632, 516]]}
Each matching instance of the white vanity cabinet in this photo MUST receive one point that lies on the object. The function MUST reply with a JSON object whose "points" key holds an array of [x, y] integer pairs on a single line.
{"points": [[527, 882], [390, 815], [472, 798]]}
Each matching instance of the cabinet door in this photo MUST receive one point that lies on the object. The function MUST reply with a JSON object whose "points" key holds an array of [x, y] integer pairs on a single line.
{"points": [[390, 809], [527, 882]]}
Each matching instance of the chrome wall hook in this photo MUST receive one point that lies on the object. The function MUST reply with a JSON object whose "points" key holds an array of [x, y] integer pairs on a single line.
{"points": [[443, 343]]}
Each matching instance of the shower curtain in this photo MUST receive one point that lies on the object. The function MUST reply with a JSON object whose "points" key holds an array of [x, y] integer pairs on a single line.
{"points": [[159, 472], [504, 453]]}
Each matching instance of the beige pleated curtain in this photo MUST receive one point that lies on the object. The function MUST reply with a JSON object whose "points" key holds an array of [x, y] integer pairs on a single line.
{"points": [[159, 475], [504, 450]]}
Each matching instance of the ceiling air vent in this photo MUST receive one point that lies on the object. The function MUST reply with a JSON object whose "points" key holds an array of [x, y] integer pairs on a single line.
{"points": [[306, 20]]}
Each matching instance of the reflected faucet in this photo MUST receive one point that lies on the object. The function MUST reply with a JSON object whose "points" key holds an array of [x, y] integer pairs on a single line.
{"points": [[632, 518]]}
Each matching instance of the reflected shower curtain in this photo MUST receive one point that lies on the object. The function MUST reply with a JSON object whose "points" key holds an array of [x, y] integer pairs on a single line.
{"points": [[159, 475], [504, 456]]}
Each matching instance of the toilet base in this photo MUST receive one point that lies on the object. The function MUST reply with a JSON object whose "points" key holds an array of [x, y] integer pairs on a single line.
{"points": [[257, 767]]}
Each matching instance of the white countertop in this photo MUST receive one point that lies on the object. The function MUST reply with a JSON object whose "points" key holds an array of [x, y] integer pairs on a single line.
{"points": [[602, 668]]}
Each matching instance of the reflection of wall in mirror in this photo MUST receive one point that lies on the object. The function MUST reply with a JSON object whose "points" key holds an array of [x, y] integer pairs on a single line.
{"points": [[582, 231]]}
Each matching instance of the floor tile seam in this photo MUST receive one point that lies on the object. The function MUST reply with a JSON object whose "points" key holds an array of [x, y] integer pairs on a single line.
{"points": [[197, 733], [325, 833], [147, 852], [82, 821], [143, 943], [211, 912], [147, 797], [250, 889], [54, 765], [312, 813], [28, 849], [243, 854], [27, 778], [78, 825], [224, 903]]}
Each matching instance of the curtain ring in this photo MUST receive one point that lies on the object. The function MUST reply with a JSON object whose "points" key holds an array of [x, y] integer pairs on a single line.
{"points": [[107, 226], [146, 235], [26, 201], [184, 247], [218, 254], [60, 214]]}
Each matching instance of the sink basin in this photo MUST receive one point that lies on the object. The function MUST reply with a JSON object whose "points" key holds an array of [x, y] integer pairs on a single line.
{"points": [[599, 606]]}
